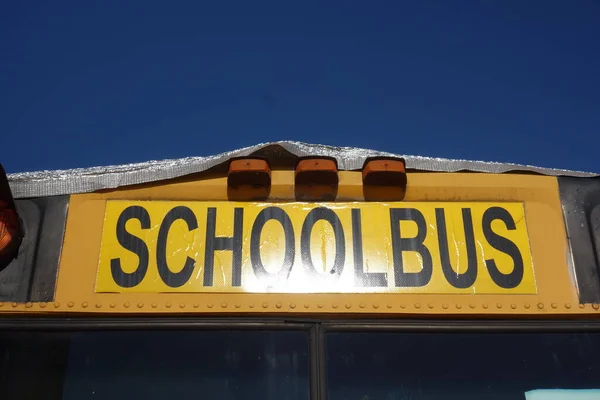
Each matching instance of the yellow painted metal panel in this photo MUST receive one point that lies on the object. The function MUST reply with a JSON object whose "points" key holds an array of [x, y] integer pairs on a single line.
{"points": [[556, 290]]}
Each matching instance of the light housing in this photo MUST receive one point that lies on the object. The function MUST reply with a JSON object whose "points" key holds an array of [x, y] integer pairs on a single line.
{"points": [[10, 224], [316, 179], [384, 179], [249, 179]]}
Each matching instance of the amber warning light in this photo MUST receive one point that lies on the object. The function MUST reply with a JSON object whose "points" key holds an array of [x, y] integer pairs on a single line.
{"points": [[10, 227], [384, 179]]}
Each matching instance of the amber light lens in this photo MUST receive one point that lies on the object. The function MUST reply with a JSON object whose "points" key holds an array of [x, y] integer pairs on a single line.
{"points": [[249, 179], [316, 179], [384, 179], [10, 231]]}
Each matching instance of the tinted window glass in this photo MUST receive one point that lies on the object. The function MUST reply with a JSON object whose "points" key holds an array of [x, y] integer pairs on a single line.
{"points": [[155, 365], [403, 366]]}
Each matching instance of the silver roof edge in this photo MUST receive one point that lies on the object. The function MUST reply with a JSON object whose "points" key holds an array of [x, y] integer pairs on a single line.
{"points": [[85, 180]]}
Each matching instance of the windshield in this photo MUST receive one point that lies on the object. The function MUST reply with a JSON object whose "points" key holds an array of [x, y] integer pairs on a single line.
{"points": [[444, 366], [238, 364], [154, 365]]}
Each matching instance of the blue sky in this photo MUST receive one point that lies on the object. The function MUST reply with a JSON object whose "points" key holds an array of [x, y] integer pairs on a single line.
{"points": [[86, 83]]}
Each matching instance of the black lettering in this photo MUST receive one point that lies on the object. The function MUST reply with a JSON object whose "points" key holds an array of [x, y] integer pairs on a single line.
{"points": [[317, 214], [513, 279], [133, 244], [170, 278], [400, 245], [233, 244], [362, 278], [280, 216], [467, 278]]}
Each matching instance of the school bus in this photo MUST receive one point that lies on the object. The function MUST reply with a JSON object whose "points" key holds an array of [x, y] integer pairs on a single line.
{"points": [[294, 271]]}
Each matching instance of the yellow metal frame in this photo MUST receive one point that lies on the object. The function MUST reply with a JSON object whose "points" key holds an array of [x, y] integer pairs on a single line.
{"points": [[557, 292]]}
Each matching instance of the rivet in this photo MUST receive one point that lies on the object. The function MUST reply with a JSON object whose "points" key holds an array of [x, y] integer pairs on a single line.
{"points": [[98, 305], [126, 304], [278, 305], [499, 305], [375, 305], [362, 305], [292, 305], [568, 306], [513, 306], [388, 305], [403, 306], [334, 305], [554, 305], [459, 306], [28, 305], [582, 306], [70, 304], [56, 304], [181, 305], [319, 305], [168, 305], [526, 306], [485, 306], [348, 306], [307, 306], [113, 305], [196, 305], [265, 305], [210, 305], [1, 304], [223, 305], [540, 305], [445, 306], [43, 305], [140, 305], [417, 305], [15, 305], [84, 304], [595, 306], [153, 305], [430, 306], [472, 305], [251, 305], [236, 305]]}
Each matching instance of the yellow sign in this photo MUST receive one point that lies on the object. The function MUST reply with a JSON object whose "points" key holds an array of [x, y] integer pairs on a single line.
{"points": [[198, 247]]}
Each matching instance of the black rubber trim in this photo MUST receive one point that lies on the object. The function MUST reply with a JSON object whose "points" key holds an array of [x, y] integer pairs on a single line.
{"points": [[143, 323], [45, 272], [316, 327], [465, 326], [32, 275], [580, 200], [318, 372]]}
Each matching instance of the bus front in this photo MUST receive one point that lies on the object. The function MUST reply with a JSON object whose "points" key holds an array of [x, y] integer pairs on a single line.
{"points": [[290, 271]]}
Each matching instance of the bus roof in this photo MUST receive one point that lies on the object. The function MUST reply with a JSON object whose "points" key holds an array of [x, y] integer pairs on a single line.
{"points": [[284, 153]]}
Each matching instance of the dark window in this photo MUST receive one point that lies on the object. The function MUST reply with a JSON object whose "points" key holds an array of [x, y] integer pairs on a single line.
{"points": [[445, 366], [154, 365]]}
